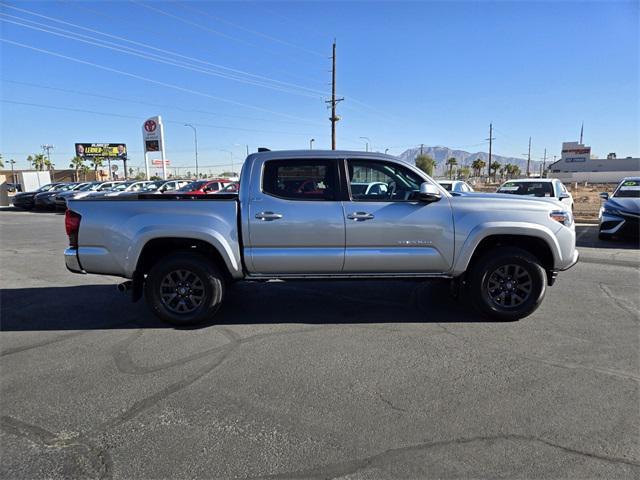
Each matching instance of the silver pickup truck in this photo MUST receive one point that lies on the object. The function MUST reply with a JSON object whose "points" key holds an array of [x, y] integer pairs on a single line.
{"points": [[322, 215]]}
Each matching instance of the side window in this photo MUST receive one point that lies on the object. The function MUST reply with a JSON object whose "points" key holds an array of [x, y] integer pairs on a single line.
{"points": [[300, 180], [372, 180]]}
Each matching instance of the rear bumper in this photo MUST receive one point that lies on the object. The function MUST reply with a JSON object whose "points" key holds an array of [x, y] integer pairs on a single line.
{"points": [[71, 260]]}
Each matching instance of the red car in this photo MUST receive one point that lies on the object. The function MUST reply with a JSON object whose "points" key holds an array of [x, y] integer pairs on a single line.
{"points": [[203, 187]]}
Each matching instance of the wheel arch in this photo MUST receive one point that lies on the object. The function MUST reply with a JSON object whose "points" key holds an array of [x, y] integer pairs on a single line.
{"points": [[539, 242]]}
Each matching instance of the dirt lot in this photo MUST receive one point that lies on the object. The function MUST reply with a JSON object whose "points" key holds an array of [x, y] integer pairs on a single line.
{"points": [[586, 199]]}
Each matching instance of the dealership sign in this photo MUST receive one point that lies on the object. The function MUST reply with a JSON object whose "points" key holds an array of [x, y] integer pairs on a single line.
{"points": [[153, 135], [102, 150], [158, 163]]}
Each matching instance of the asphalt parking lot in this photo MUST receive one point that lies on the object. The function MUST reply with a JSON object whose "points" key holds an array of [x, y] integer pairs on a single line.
{"points": [[315, 380]]}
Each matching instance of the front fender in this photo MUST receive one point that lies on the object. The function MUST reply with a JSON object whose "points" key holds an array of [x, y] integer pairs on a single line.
{"points": [[487, 229]]}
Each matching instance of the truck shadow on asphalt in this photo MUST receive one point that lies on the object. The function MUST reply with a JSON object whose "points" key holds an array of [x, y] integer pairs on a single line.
{"points": [[587, 236], [95, 307]]}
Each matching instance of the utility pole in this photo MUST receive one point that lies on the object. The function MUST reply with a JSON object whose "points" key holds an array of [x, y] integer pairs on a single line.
{"points": [[421, 148], [581, 132], [544, 163], [334, 118], [47, 148], [529, 157], [311, 143], [491, 139]]}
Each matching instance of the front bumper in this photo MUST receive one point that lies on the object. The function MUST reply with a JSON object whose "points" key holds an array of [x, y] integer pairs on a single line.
{"points": [[621, 224], [71, 260]]}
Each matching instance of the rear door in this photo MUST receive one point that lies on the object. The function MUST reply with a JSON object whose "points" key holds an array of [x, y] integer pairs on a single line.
{"points": [[388, 230], [296, 225]]}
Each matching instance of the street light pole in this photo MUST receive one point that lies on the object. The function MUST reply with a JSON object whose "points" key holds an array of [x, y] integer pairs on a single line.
{"points": [[230, 153], [366, 143], [195, 138], [311, 143]]}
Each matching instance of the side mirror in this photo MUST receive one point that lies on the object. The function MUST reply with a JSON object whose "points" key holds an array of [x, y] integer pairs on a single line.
{"points": [[604, 196], [429, 193], [563, 195]]}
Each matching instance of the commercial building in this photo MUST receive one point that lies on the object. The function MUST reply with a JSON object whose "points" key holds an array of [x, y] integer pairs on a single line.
{"points": [[577, 165]]}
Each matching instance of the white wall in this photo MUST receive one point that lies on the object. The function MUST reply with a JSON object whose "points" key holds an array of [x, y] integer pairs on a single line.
{"points": [[592, 177]]}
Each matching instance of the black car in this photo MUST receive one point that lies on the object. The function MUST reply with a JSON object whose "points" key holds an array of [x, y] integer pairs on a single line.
{"points": [[26, 200], [620, 213], [47, 200]]}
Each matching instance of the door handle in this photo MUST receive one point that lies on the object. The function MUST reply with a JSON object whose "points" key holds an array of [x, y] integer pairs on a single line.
{"points": [[360, 216], [268, 216]]}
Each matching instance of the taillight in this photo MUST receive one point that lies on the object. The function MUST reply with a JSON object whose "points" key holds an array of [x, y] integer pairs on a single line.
{"points": [[72, 225]]}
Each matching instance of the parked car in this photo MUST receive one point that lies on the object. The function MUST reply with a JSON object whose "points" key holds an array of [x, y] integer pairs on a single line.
{"points": [[550, 188], [455, 186], [620, 212], [100, 190], [182, 251], [61, 197], [231, 188], [25, 200], [161, 186], [127, 187], [14, 187], [47, 200], [202, 187]]}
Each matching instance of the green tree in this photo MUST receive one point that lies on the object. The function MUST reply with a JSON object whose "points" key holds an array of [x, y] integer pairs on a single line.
{"points": [[426, 164], [464, 172], [451, 162], [494, 168], [477, 165], [85, 169], [77, 163], [1, 162], [37, 161], [97, 162]]}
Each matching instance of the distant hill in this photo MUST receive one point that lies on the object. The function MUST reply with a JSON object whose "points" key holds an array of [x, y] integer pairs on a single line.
{"points": [[441, 154]]}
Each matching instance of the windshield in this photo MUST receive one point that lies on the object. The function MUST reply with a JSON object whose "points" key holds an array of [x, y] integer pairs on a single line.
{"points": [[121, 187], [153, 186], [45, 188], [628, 189], [85, 187], [193, 186], [447, 186], [531, 189], [63, 188]]}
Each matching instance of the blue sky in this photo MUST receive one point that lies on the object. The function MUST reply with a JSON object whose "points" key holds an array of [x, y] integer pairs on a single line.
{"points": [[257, 74]]}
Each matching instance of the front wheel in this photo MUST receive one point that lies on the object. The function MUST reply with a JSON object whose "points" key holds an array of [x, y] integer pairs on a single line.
{"points": [[507, 283], [184, 289]]}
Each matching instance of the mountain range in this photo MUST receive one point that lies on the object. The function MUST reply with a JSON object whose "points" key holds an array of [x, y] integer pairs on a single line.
{"points": [[441, 154]]}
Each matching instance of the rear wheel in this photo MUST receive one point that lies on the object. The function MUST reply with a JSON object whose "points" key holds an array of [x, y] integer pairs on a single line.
{"points": [[507, 283], [184, 289]]}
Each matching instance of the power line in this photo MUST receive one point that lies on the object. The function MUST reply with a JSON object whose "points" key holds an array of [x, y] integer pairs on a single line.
{"points": [[152, 57], [140, 118], [152, 104], [254, 32], [334, 101], [150, 80], [151, 47]]}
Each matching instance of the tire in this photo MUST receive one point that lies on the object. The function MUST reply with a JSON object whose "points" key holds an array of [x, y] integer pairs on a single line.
{"points": [[507, 284], [184, 289]]}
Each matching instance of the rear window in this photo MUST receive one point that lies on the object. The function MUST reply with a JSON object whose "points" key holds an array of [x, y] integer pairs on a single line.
{"points": [[300, 180], [531, 189]]}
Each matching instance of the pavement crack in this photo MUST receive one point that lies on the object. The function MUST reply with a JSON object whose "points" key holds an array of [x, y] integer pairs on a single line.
{"points": [[390, 404], [621, 304], [349, 467], [99, 458]]}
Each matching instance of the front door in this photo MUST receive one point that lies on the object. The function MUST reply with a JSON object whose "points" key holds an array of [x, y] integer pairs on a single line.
{"points": [[296, 224], [388, 229]]}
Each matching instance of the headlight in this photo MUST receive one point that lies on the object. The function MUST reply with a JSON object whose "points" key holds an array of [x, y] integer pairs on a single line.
{"points": [[562, 216], [610, 211]]}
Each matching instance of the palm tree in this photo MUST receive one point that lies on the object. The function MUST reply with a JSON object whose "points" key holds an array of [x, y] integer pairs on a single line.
{"points": [[37, 160], [85, 169], [1, 162], [477, 165], [97, 162], [494, 167], [77, 163], [502, 170], [451, 162]]}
